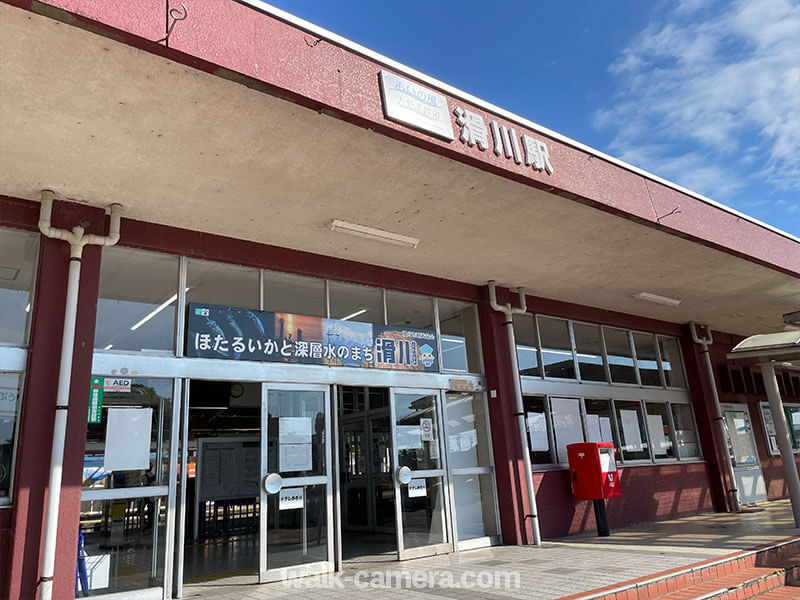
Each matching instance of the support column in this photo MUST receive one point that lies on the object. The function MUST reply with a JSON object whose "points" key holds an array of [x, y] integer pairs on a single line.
{"points": [[784, 441]]}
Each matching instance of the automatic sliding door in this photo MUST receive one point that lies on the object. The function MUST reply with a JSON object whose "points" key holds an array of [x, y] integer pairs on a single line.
{"points": [[296, 491], [421, 490]]}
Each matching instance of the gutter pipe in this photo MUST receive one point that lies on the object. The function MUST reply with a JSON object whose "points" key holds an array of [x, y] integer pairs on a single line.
{"points": [[77, 239], [704, 341], [508, 311]]}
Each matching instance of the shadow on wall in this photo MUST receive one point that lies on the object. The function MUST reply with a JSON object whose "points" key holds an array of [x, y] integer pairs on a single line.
{"points": [[649, 493]]}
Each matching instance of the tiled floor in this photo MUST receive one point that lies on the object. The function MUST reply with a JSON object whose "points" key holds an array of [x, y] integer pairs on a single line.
{"points": [[558, 568]]}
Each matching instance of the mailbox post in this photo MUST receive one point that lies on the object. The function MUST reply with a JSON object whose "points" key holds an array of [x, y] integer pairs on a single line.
{"points": [[593, 475]]}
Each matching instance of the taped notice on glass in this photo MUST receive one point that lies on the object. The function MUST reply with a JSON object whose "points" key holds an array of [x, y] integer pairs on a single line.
{"points": [[630, 430], [128, 439], [409, 437], [537, 431], [295, 457], [294, 430], [417, 488], [291, 498]]}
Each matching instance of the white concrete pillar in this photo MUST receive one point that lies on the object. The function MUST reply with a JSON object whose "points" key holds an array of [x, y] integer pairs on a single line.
{"points": [[784, 441]]}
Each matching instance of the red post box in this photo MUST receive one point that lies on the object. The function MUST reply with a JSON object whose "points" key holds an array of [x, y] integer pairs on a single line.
{"points": [[593, 471]]}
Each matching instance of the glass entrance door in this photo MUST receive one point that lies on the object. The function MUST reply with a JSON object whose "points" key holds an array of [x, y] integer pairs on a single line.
{"points": [[421, 489], [743, 452], [296, 493]]}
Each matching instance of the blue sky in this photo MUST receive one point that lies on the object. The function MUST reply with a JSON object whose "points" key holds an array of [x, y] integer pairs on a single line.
{"points": [[705, 93]]}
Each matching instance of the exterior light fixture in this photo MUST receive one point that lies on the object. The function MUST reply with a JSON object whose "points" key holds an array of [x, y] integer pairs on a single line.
{"points": [[371, 233], [648, 297], [355, 314]]}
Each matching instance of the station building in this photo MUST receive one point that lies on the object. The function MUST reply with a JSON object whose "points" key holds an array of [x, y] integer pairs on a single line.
{"points": [[298, 308]]}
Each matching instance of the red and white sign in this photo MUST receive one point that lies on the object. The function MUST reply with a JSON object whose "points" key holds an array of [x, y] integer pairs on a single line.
{"points": [[426, 426]]}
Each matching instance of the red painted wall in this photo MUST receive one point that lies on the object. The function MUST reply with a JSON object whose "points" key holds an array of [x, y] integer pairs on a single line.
{"points": [[38, 406], [649, 493]]}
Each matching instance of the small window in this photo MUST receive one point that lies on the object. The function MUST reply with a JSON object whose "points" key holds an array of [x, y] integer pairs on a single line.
{"points": [[659, 430], [10, 394], [646, 358], [409, 310], [633, 437], [19, 250], [221, 284], [589, 349], [536, 422], [620, 357], [527, 352], [685, 431], [556, 348], [356, 303], [137, 299], [671, 362], [294, 294], [458, 326], [599, 426], [567, 428]]}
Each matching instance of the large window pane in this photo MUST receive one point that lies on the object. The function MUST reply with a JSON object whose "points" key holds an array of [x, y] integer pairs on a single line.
{"points": [[417, 450], [222, 284], [136, 305], [527, 344], [423, 516], [671, 362], [409, 310], [567, 428], [536, 422], [118, 454], [685, 431], [620, 357], [589, 348], [599, 422], [18, 253], [659, 430], [646, 358], [120, 539], [633, 437], [10, 394], [458, 325], [467, 430], [295, 294], [356, 303], [475, 507], [556, 348]]}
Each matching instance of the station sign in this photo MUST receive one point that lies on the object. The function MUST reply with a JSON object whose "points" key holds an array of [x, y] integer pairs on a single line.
{"points": [[411, 104], [244, 334]]}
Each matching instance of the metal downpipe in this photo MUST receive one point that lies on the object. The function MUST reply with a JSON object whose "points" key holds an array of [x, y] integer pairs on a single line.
{"points": [[509, 311], [77, 239]]}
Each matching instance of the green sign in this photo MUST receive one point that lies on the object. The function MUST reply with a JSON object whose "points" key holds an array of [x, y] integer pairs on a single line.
{"points": [[96, 400]]}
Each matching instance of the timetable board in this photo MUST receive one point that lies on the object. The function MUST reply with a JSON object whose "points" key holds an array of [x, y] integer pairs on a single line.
{"points": [[228, 468]]}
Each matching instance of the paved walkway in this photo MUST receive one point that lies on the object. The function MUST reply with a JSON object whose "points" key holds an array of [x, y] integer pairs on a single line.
{"points": [[558, 568]]}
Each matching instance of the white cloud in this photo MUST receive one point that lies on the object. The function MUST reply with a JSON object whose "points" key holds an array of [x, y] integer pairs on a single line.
{"points": [[709, 96]]}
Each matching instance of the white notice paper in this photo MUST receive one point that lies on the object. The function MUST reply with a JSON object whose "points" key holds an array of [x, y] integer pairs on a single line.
{"points": [[291, 498], [630, 430], [605, 429], [97, 570], [295, 457], [409, 437], [537, 431], [294, 430], [655, 424], [417, 488], [128, 439], [593, 432]]}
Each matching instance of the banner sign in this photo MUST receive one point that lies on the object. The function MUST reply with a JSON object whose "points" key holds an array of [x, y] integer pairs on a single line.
{"points": [[245, 334], [96, 400]]}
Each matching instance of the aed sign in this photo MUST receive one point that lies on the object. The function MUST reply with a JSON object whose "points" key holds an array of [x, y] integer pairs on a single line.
{"points": [[112, 384]]}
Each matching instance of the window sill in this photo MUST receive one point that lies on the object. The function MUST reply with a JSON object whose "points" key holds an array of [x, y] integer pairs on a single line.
{"points": [[620, 466]]}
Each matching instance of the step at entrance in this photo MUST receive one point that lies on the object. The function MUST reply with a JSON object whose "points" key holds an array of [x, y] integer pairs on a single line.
{"points": [[770, 572]]}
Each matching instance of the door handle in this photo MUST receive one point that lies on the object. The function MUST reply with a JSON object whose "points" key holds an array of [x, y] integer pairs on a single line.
{"points": [[403, 475], [273, 483]]}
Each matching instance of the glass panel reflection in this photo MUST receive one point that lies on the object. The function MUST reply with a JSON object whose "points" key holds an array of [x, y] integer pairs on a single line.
{"points": [[221, 284], [297, 533], [475, 506], [658, 428], [620, 356], [295, 294], [136, 304], [417, 431], [123, 543], [646, 358], [467, 430], [527, 344], [685, 431], [589, 347], [633, 436], [422, 503], [19, 250], [671, 362], [296, 433], [556, 348], [458, 325], [10, 393]]}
